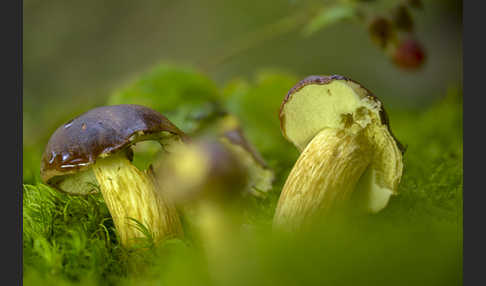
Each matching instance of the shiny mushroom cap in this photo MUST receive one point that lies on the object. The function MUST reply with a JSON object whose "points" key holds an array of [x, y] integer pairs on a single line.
{"points": [[99, 133]]}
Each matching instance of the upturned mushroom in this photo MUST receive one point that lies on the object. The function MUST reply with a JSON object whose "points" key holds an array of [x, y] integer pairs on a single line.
{"points": [[347, 148], [92, 152]]}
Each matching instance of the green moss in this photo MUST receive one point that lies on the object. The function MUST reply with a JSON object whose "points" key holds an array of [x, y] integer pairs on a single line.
{"points": [[68, 237], [432, 180]]}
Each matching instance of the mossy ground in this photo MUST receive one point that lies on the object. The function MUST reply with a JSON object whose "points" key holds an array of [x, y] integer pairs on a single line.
{"points": [[416, 240]]}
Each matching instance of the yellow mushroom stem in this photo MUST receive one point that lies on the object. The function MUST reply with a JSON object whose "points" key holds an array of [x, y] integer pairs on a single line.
{"points": [[324, 177], [216, 227], [132, 194]]}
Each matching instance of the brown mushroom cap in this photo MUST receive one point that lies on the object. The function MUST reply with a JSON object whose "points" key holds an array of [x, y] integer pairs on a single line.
{"points": [[100, 132], [360, 90]]}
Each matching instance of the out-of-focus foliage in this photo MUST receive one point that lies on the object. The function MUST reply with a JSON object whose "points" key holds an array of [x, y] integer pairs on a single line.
{"points": [[183, 94], [342, 252], [257, 104], [31, 158], [328, 16]]}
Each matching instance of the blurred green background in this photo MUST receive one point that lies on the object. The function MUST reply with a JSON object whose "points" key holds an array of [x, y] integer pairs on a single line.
{"points": [[78, 54]]}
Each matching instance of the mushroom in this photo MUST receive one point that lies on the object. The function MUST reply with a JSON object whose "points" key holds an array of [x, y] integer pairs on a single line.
{"points": [[205, 179], [260, 176], [227, 129], [346, 145], [92, 153]]}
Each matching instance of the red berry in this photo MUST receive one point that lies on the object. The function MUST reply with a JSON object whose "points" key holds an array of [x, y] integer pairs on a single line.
{"points": [[409, 54]]}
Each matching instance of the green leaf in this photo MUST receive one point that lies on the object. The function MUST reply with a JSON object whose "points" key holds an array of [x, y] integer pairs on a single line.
{"points": [[257, 106], [181, 93]]}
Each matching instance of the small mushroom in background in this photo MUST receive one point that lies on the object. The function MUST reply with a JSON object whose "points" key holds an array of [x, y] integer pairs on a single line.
{"points": [[346, 145], [206, 181], [93, 153], [226, 128], [260, 176]]}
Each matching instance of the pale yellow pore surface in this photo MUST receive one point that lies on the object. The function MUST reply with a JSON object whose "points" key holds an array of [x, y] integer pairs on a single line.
{"points": [[324, 176], [387, 161], [382, 177], [315, 107], [131, 193]]}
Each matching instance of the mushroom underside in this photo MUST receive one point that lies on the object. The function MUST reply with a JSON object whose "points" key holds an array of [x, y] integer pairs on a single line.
{"points": [[320, 119]]}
